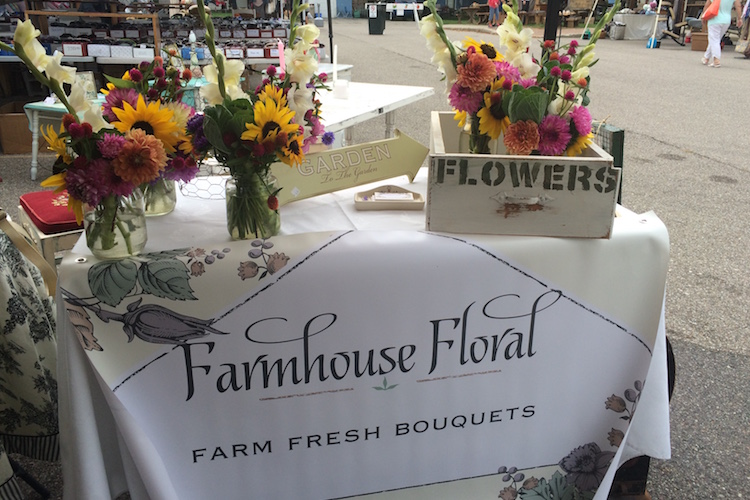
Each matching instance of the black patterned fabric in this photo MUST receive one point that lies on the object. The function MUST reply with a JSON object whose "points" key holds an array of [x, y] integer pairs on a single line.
{"points": [[28, 366]]}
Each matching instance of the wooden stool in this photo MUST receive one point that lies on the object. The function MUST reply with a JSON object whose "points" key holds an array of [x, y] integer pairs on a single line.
{"points": [[45, 216]]}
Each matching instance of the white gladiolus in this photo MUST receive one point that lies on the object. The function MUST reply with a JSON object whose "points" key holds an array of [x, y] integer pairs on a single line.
{"points": [[308, 33], [25, 33], [300, 100], [300, 65], [56, 71], [77, 99], [93, 116]]}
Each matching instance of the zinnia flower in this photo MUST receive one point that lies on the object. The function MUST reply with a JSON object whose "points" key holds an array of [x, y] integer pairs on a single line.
{"points": [[554, 135], [581, 118], [508, 71], [463, 99], [141, 159], [521, 137], [476, 73], [110, 145], [115, 99]]}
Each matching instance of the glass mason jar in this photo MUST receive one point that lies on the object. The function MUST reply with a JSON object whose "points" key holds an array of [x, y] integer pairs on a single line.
{"points": [[248, 212], [160, 197], [116, 228]]}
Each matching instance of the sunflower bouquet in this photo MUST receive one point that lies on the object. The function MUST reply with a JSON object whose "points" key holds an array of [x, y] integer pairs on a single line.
{"points": [[101, 163], [154, 82], [249, 131], [537, 105]]}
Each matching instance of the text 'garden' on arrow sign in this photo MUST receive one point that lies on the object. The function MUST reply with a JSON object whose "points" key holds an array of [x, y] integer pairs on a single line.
{"points": [[343, 168]]}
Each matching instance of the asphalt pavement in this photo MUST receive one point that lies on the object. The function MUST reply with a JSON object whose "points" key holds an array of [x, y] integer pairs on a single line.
{"points": [[685, 159]]}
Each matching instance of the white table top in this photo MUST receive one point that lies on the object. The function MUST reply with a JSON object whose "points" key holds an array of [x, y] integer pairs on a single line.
{"points": [[366, 101]]}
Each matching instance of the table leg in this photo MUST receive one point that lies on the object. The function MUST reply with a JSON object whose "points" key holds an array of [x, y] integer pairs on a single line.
{"points": [[348, 140], [34, 143], [390, 122]]}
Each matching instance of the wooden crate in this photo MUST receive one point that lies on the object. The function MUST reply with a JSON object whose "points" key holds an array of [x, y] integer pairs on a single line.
{"points": [[517, 195]]}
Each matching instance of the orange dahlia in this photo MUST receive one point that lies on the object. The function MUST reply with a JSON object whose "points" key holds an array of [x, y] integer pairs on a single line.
{"points": [[476, 73], [141, 159], [521, 137]]}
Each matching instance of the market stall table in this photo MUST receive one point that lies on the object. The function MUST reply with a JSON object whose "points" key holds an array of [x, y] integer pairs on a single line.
{"points": [[365, 101], [199, 419], [639, 26]]}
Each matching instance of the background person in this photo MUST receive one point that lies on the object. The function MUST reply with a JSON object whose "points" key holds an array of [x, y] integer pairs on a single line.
{"points": [[716, 27], [494, 13]]}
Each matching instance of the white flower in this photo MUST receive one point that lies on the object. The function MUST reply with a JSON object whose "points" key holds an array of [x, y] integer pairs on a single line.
{"points": [[428, 29], [56, 71], [236, 92], [25, 33], [308, 33], [300, 99], [233, 70], [444, 63], [210, 93], [37, 54], [93, 116], [525, 64], [586, 60], [77, 99], [516, 42], [579, 73], [300, 65]]}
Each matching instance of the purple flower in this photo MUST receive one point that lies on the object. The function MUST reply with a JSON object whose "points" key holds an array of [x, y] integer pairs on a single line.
{"points": [[328, 138], [527, 82], [110, 144], [115, 99], [586, 466], [195, 123], [565, 75], [581, 119], [555, 71], [564, 59], [159, 72], [463, 99], [554, 135], [508, 71]]}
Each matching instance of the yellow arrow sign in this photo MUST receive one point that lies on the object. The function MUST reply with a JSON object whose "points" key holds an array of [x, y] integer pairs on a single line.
{"points": [[342, 168]]}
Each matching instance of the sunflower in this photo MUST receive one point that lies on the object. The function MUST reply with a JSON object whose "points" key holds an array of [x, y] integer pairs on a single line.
{"points": [[483, 47], [292, 153], [460, 117], [269, 120], [57, 144], [58, 182], [273, 92], [151, 118], [492, 119], [579, 144]]}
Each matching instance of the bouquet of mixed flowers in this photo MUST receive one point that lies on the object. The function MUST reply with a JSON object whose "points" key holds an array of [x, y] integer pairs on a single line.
{"points": [[247, 132], [134, 100], [537, 105], [105, 153]]}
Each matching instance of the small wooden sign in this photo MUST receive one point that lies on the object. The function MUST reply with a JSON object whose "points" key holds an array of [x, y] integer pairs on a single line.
{"points": [[336, 169], [518, 195]]}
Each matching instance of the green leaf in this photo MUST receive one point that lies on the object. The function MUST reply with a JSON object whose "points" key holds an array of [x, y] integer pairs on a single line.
{"points": [[168, 278], [212, 130], [120, 83], [111, 281], [527, 104], [378, 388]]}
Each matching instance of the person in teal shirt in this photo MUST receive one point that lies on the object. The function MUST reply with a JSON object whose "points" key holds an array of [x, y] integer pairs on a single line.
{"points": [[717, 27]]}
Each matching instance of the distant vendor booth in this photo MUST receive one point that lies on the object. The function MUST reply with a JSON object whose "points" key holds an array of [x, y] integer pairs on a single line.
{"points": [[639, 26]]}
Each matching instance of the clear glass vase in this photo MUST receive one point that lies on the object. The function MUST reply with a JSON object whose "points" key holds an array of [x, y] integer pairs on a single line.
{"points": [[160, 197], [248, 212], [116, 228]]}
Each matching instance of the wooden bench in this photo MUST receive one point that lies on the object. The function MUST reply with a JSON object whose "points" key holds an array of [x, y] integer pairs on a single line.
{"points": [[477, 15], [533, 17]]}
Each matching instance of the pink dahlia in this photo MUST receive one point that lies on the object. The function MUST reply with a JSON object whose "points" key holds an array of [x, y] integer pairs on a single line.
{"points": [[508, 71], [115, 98], [554, 135], [581, 119], [464, 99], [110, 144]]}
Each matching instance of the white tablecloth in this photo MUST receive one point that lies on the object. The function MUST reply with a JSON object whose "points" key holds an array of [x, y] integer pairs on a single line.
{"points": [[640, 26], [624, 277]]}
